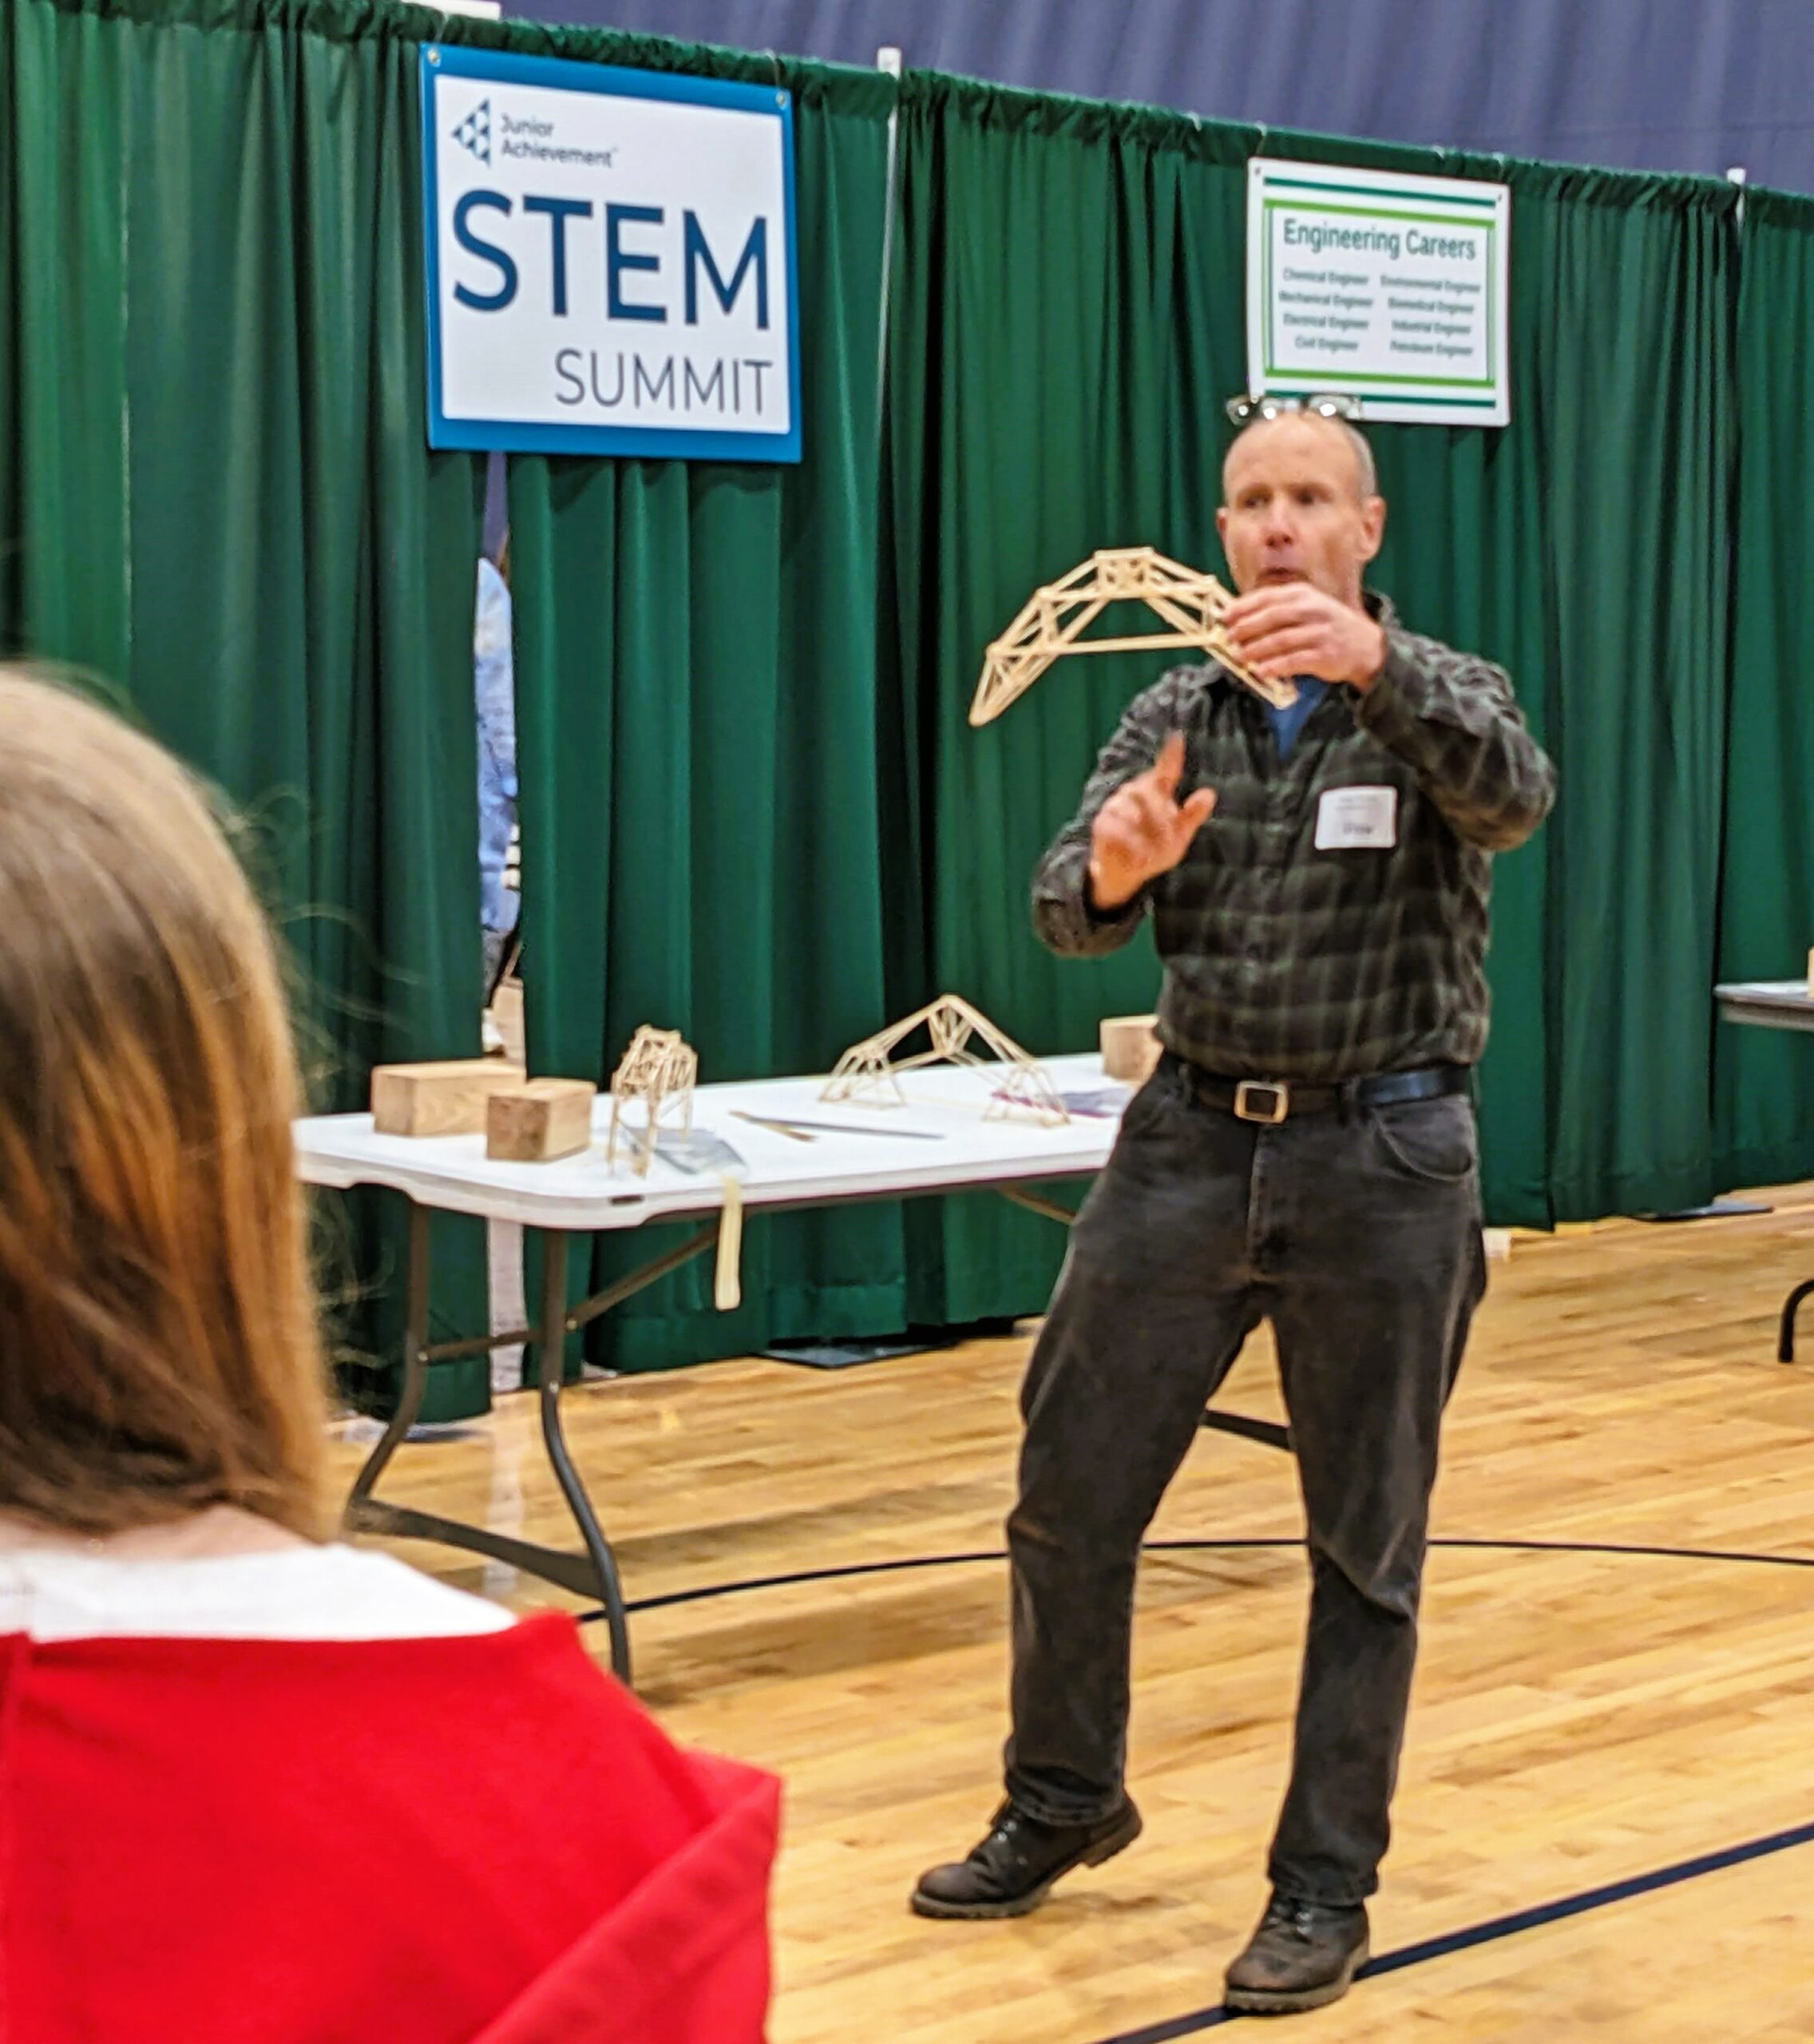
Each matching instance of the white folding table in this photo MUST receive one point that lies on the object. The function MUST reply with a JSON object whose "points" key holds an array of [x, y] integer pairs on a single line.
{"points": [[938, 1142], [1773, 1004], [1770, 1003]]}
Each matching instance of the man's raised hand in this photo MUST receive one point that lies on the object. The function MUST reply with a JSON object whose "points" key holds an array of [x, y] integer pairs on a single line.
{"points": [[1144, 829]]}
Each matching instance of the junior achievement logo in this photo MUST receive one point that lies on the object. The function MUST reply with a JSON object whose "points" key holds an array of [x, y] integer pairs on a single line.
{"points": [[474, 131]]}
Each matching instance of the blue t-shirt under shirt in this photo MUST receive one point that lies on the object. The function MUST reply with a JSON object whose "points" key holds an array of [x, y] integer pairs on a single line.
{"points": [[1289, 721]]}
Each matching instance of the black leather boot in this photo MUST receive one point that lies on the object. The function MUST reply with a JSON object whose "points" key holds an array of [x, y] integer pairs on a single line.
{"points": [[1012, 1869], [1303, 1955]]}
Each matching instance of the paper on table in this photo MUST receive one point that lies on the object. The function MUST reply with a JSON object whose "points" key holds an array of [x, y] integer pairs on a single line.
{"points": [[697, 1150], [1101, 1102], [1105, 1100]]}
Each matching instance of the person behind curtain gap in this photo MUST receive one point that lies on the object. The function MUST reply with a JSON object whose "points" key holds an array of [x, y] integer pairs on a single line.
{"points": [[494, 694], [1305, 1153]]}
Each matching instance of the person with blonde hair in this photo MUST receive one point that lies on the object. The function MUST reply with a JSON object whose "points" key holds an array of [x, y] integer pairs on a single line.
{"points": [[258, 1785]]}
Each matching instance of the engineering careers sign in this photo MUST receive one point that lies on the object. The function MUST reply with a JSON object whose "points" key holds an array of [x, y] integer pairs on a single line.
{"points": [[1390, 289], [611, 265]]}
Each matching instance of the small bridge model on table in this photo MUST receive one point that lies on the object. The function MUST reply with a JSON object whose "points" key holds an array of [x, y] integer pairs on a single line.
{"points": [[868, 1070]]}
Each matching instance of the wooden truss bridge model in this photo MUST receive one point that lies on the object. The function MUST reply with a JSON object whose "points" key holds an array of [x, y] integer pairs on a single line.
{"points": [[1054, 618], [869, 1070], [661, 1070]]}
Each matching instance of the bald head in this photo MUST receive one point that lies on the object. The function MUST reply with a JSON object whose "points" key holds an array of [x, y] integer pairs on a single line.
{"points": [[1365, 476], [1300, 504]]}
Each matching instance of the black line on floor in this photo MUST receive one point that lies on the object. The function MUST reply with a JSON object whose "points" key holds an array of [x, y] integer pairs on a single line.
{"points": [[846, 1571], [1429, 1948], [1496, 1928]]}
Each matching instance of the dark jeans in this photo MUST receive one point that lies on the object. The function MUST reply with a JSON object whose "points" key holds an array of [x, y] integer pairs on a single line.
{"points": [[1359, 1237]]}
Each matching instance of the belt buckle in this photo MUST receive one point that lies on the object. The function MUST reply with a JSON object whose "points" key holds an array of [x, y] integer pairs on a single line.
{"points": [[1246, 1109]]}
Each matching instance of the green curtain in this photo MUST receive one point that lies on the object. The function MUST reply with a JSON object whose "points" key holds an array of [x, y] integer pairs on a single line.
{"points": [[1587, 546], [700, 759], [752, 806], [217, 497], [1068, 319], [1057, 351], [1763, 1080], [65, 590]]}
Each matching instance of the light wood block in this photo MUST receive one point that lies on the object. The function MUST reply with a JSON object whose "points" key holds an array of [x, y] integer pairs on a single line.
{"points": [[538, 1121], [507, 1019], [445, 1098], [1130, 1048]]}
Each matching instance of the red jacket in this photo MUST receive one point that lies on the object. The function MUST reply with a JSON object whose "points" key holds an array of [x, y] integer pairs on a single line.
{"points": [[472, 1840]]}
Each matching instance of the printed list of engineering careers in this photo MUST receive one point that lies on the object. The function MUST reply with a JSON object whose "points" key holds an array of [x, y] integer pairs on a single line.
{"points": [[1333, 311]]}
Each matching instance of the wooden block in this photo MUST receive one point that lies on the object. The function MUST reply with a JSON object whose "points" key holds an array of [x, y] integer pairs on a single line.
{"points": [[507, 1019], [444, 1099], [537, 1123], [1130, 1048]]}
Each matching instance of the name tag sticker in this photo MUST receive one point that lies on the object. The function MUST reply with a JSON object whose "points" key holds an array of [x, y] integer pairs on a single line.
{"points": [[1357, 820]]}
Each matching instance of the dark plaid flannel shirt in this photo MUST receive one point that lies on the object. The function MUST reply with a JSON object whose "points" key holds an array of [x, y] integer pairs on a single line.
{"points": [[1285, 962]]}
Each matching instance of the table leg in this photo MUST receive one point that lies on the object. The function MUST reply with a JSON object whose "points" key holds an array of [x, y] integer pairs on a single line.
{"points": [[550, 1353], [414, 1382], [593, 1574], [1035, 1202], [1785, 1338]]}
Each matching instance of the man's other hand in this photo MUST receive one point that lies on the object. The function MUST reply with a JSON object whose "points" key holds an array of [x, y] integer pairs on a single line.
{"points": [[1287, 628]]}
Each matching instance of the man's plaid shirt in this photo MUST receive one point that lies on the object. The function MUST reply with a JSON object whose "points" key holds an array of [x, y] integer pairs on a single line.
{"points": [[1285, 962]]}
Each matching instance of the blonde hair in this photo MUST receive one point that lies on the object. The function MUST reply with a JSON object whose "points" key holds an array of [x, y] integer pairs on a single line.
{"points": [[159, 1350]]}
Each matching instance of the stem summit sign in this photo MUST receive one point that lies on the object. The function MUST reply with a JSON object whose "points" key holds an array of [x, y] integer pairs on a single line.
{"points": [[610, 260], [1387, 288]]}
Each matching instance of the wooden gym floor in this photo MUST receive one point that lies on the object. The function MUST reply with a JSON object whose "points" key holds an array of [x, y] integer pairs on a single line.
{"points": [[1582, 1718]]}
